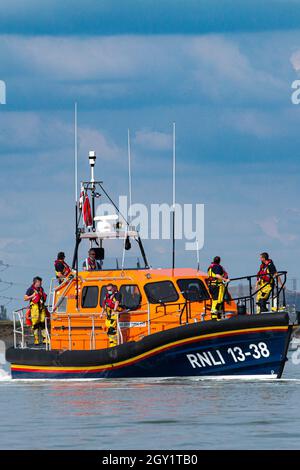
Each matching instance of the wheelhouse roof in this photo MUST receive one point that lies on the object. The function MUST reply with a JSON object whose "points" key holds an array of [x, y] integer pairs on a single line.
{"points": [[142, 275]]}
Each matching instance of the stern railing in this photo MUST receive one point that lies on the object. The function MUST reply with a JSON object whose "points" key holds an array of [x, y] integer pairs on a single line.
{"points": [[23, 334], [247, 301]]}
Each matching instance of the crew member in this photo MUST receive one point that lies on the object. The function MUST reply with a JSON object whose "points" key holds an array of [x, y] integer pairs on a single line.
{"points": [[265, 282], [110, 307], [91, 263], [37, 297], [217, 280], [62, 270]]}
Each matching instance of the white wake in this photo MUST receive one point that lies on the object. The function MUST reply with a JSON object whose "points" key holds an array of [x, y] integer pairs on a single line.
{"points": [[4, 375]]}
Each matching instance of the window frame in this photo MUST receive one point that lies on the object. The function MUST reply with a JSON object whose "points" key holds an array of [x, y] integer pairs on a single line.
{"points": [[62, 301], [140, 294], [82, 294], [202, 285], [164, 301]]}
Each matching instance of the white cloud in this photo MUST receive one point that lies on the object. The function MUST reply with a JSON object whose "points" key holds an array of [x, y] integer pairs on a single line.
{"points": [[222, 70], [79, 58], [251, 122], [270, 226], [213, 67], [72, 58], [19, 130], [5, 243], [295, 60], [47, 135], [154, 140], [92, 139], [220, 56]]}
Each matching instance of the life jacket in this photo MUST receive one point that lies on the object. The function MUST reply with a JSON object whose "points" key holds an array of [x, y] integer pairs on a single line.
{"points": [[263, 273], [212, 279], [110, 300], [66, 270], [40, 296], [91, 265], [28, 317]]}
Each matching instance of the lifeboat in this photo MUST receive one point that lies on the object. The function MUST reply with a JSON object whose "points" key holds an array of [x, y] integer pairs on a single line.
{"points": [[163, 327]]}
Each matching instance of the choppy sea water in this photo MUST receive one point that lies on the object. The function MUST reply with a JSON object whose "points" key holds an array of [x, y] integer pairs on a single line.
{"points": [[151, 414]]}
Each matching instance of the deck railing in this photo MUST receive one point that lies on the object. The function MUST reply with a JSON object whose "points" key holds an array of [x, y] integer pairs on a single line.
{"points": [[24, 338], [246, 303], [23, 333]]}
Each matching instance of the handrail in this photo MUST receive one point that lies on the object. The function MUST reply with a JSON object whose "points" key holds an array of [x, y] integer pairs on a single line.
{"points": [[188, 311], [109, 278], [48, 338], [164, 306], [19, 331], [89, 314], [274, 282], [182, 306], [92, 316], [19, 317], [62, 295]]}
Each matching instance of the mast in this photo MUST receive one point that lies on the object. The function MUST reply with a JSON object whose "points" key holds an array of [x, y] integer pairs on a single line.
{"points": [[198, 255], [91, 187], [129, 172], [174, 195], [75, 173], [92, 161], [77, 237], [75, 153], [130, 197]]}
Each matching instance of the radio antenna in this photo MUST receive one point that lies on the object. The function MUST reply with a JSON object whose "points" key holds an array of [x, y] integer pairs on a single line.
{"points": [[75, 152], [129, 172], [174, 195], [75, 258], [198, 255]]}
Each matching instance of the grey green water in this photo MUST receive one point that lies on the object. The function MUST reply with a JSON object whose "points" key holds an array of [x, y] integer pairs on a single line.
{"points": [[156, 414]]}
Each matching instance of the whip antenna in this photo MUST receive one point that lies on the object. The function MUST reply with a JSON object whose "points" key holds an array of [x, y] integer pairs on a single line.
{"points": [[198, 255], [174, 195], [75, 153], [129, 171]]}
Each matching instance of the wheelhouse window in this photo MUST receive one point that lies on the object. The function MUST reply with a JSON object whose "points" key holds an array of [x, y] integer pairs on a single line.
{"points": [[161, 292], [89, 297], [130, 296], [102, 295], [193, 289], [62, 305]]}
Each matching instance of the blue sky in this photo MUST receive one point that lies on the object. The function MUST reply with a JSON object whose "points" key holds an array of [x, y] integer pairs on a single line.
{"points": [[221, 69]]}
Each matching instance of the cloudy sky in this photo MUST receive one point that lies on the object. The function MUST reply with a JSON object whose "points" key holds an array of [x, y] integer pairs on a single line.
{"points": [[223, 70]]}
